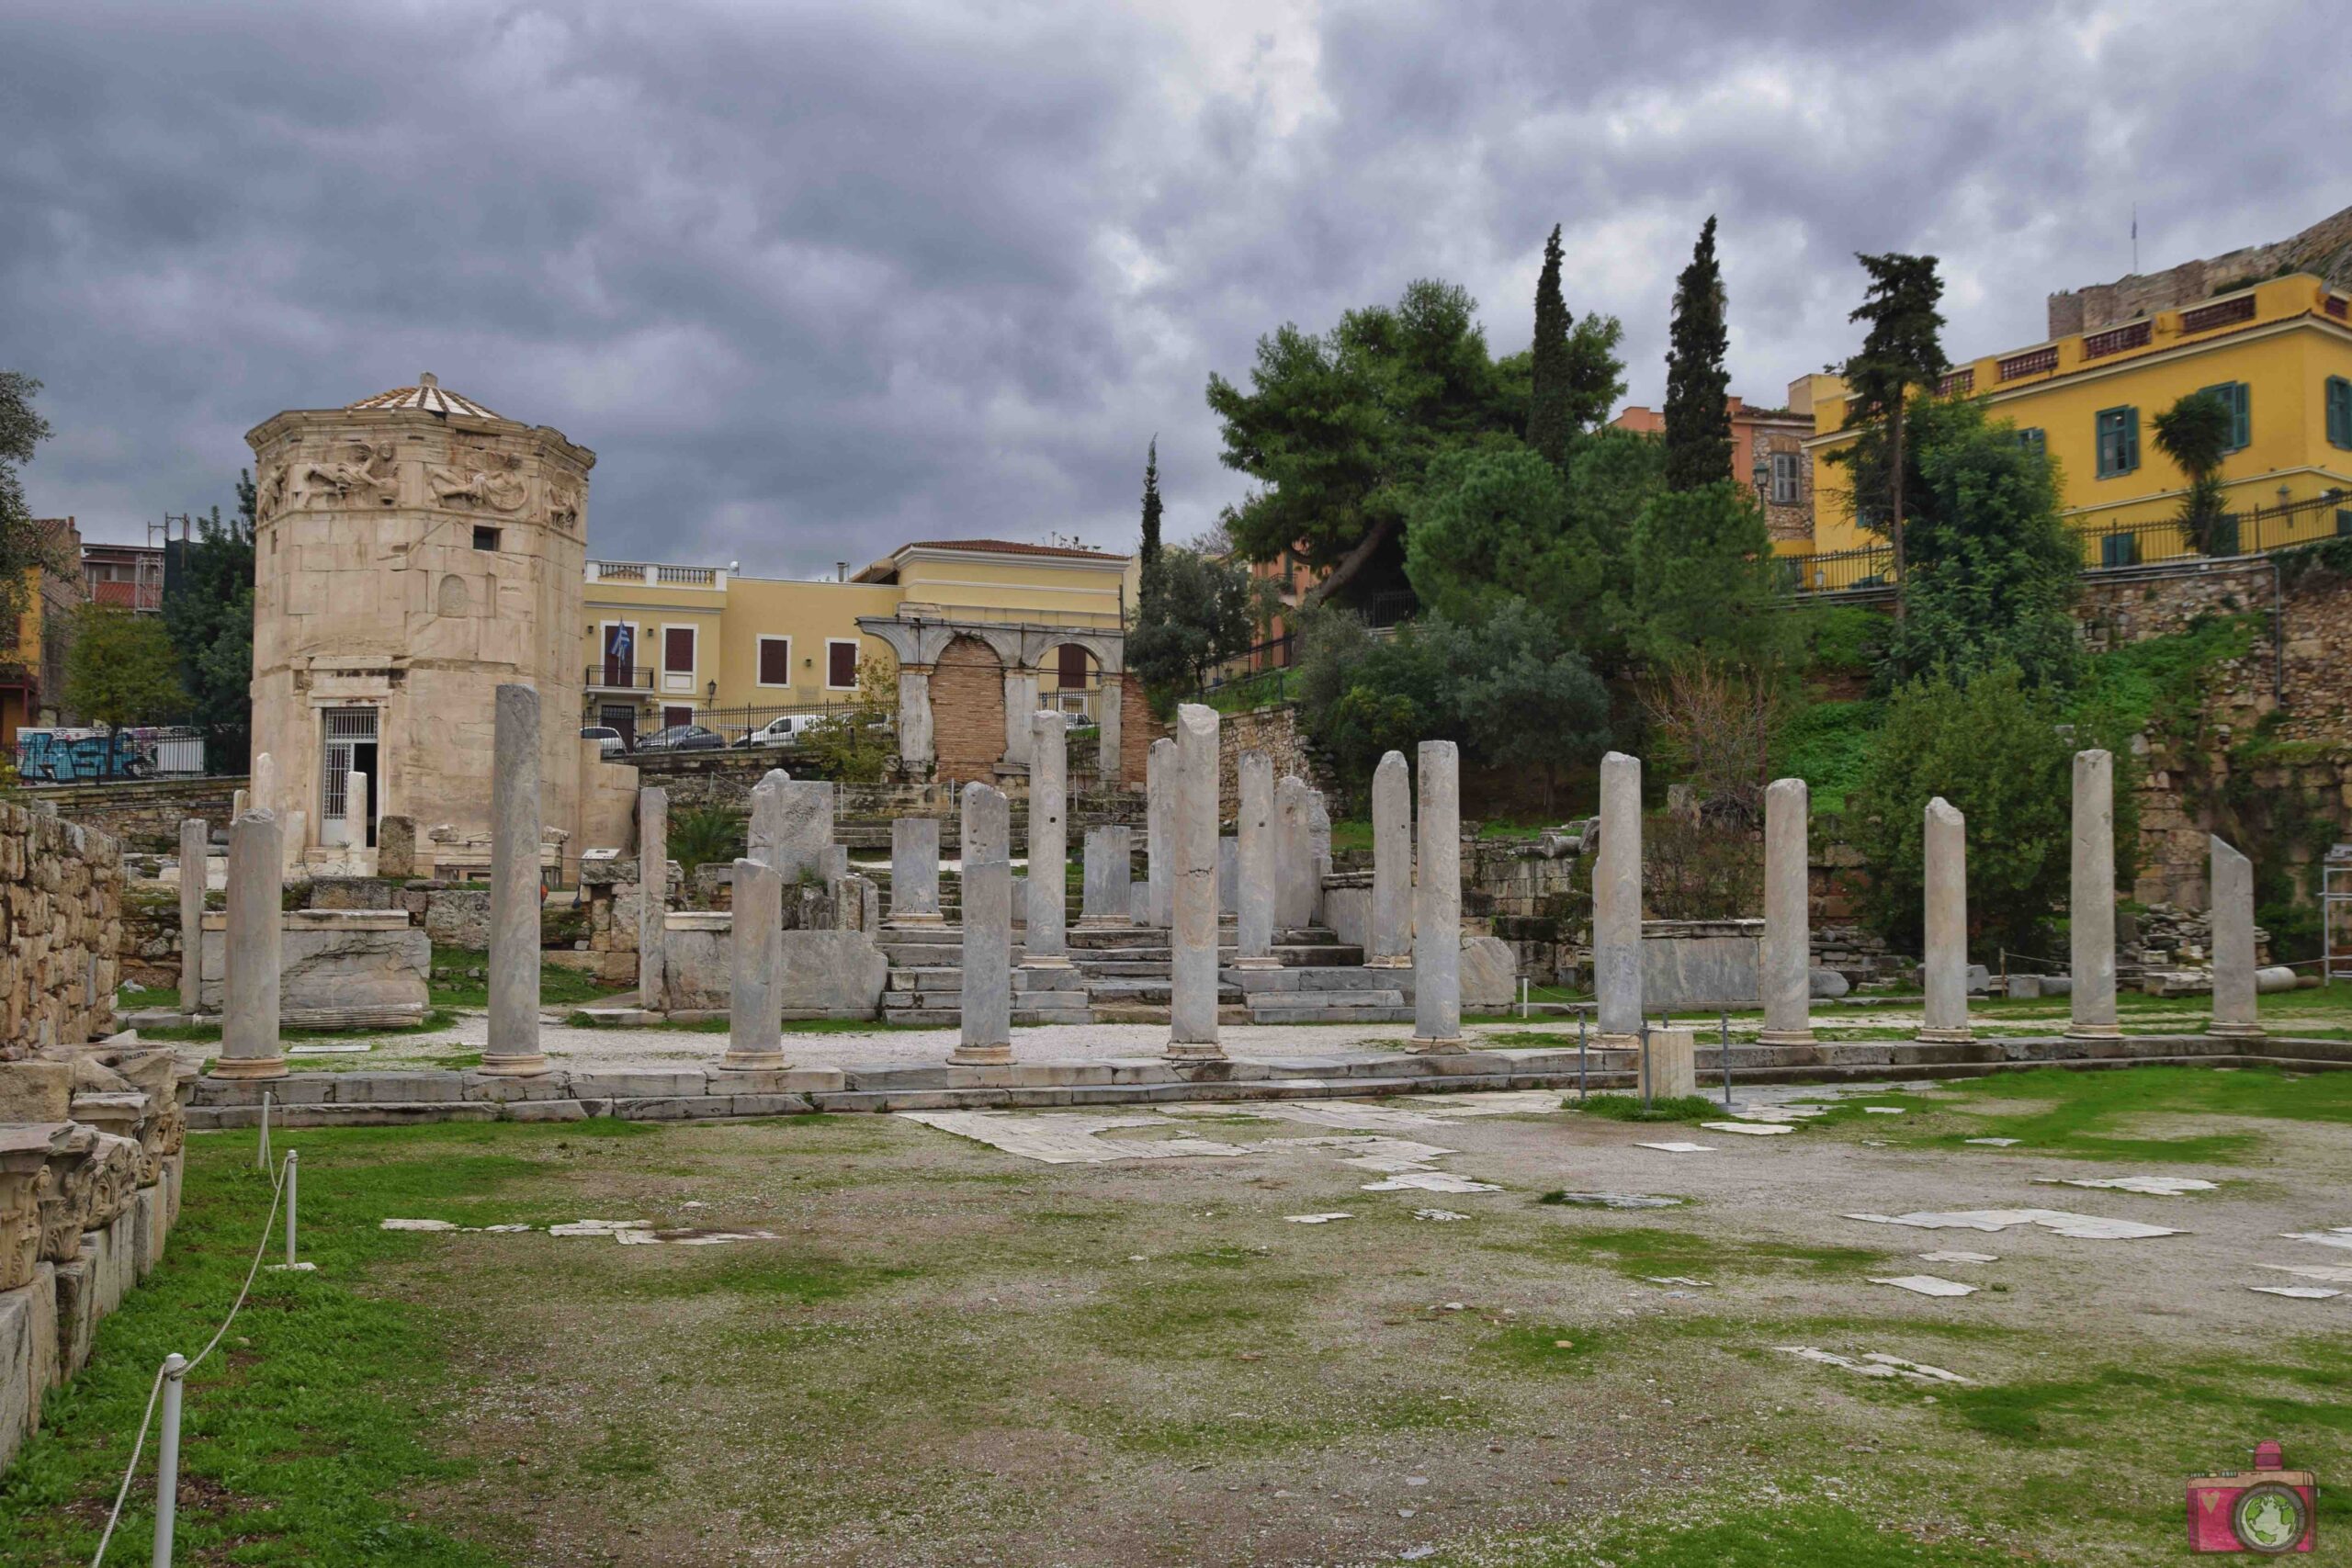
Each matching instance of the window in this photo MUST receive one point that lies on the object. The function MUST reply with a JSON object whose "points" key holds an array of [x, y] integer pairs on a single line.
{"points": [[485, 538], [1786, 478], [841, 664], [775, 662], [672, 717], [2032, 439], [2339, 412], [1070, 667], [2118, 441], [2343, 523], [2120, 549], [2231, 395], [678, 650]]}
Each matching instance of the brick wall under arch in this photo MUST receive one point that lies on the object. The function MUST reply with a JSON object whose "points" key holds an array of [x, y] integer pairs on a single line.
{"points": [[968, 710]]}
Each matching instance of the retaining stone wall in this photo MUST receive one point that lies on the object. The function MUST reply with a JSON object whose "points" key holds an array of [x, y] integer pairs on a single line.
{"points": [[61, 884], [144, 816]]}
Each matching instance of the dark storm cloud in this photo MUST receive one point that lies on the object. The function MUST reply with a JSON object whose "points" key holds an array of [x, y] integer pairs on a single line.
{"points": [[815, 279]]}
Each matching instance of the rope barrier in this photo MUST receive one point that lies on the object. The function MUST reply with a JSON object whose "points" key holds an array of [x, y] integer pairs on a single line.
{"points": [[114, 1516]]}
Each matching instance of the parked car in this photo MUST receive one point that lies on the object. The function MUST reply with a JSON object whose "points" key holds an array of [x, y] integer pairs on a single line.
{"points": [[683, 738], [609, 740], [786, 730]]}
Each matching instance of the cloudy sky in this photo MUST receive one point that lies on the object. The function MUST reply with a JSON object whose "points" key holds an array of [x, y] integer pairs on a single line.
{"points": [[814, 279]]}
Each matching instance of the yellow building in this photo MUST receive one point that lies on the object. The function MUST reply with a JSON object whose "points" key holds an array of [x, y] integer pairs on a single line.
{"points": [[973, 635], [2279, 353], [32, 660]]}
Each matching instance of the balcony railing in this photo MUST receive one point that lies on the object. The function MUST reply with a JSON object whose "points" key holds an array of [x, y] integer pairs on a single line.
{"points": [[2032, 362], [656, 574], [2116, 340], [1957, 382], [2228, 313], [619, 678]]}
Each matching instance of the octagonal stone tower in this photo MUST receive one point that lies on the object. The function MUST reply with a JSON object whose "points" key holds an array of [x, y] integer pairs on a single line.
{"points": [[413, 551]]}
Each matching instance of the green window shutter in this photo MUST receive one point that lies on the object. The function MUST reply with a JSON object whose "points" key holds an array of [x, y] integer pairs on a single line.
{"points": [[2131, 440], [2339, 412]]}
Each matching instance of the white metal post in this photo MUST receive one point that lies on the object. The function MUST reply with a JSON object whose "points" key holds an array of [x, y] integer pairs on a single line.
{"points": [[293, 1173], [167, 1458]]}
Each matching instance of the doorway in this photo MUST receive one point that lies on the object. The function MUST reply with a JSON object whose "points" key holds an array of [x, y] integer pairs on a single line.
{"points": [[348, 745]]}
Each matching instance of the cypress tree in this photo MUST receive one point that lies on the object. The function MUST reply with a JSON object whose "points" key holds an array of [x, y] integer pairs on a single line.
{"points": [[1151, 548], [1698, 388], [1903, 350], [1550, 422]]}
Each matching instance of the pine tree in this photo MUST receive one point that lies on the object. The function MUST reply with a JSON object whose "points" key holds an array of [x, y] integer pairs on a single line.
{"points": [[1150, 551], [1550, 422], [1698, 388], [1903, 350]]}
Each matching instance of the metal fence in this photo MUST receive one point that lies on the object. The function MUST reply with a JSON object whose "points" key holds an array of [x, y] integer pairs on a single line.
{"points": [[2148, 542]]}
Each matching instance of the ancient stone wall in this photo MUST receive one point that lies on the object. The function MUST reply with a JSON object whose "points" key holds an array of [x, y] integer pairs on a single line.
{"points": [[145, 817], [61, 884], [2324, 248], [1275, 731], [90, 1165]]}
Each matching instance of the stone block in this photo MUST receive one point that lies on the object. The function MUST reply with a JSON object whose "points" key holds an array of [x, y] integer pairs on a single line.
{"points": [[1700, 963], [1490, 974], [78, 1317], [546, 1110], [401, 1088], [29, 1357], [1673, 1063]]}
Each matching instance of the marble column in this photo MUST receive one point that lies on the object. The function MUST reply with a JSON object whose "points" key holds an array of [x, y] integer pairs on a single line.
{"points": [[1945, 971], [652, 893], [1109, 700], [1192, 970], [1020, 705], [764, 842], [240, 802], [754, 1029], [1254, 852], [1319, 852], [915, 746], [251, 946], [1159, 798], [914, 870], [986, 1038], [1391, 946], [1293, 854], [1617, 902], [2090, 913], [2232, 939], [1107, 896], [196, 848], [355, 806], [1788, 936], [263, 786], [1046, 946], [1437, 903], [513, 1049]]}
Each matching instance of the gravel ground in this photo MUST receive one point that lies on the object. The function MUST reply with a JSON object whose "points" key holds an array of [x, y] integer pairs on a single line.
{"points": [[957, 1356]]}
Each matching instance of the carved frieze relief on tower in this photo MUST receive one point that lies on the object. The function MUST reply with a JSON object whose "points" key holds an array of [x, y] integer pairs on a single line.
{"points": [[269, 496], [365, 472], [476, 478], [563, 502]]}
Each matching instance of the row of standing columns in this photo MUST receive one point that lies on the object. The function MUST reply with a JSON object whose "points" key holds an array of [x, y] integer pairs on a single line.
{"points": [[249, 1043]]}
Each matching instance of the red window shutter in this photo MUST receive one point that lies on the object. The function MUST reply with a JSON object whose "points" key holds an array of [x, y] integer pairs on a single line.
{"points": [[1072, 671], [776, 663], [841, 664], [678, 649]]}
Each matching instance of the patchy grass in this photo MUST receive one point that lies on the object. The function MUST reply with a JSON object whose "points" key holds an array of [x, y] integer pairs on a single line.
{"points": [[131, 999], [452, 983], [2119, 1114], [1641, 1252], [1778, 1530], [1629, 1108], [435, 1020]]}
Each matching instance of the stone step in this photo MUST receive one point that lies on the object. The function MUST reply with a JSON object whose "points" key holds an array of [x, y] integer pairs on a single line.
{"points": [[1288, 1011], [1158, 991], [1306, 980], [948, 1016], [1145, 1012]]}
